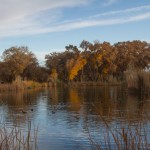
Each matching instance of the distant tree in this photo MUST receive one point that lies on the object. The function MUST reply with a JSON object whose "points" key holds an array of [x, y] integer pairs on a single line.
{"points": [[41, 74], [17, 60], [85, 45], [72, 48], [78, 66], [136, 53], [5, 72], [98, 61], [30, 72], [57, 61]]}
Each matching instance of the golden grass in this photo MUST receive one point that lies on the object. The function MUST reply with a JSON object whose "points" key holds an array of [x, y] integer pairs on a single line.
{"points": [[21, 86], [138, 80]]}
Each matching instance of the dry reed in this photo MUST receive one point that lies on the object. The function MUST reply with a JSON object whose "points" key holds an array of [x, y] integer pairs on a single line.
{"points": [[21, 86], [126, 134], [16, 139]]}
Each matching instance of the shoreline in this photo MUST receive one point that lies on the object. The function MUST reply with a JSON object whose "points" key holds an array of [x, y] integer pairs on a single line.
{"points": [[24, 85]]}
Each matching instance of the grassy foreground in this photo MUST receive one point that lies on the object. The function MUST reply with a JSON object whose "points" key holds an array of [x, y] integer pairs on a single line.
{"points": [[16, 139], [128, 132]]}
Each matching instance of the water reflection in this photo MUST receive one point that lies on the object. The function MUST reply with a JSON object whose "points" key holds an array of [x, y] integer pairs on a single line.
{"points": [[66, 116]]}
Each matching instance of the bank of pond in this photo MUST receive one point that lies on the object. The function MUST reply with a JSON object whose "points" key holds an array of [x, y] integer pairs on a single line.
{"points": [[133, 82]]}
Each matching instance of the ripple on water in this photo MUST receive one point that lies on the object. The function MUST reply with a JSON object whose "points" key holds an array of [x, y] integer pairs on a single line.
{"points": [[74, 120]]}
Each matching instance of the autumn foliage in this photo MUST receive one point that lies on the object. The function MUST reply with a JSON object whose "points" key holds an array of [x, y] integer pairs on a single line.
{"points": [[99, 61], [79, 64], [89, 62]]}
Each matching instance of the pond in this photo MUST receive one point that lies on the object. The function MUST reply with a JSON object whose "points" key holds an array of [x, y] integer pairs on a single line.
{"points": [[73, 118]]}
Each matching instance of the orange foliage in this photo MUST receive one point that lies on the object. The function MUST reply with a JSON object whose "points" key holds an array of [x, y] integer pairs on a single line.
{"points": [[79, 64], [69, 64], [54, 74], [75, 100]]}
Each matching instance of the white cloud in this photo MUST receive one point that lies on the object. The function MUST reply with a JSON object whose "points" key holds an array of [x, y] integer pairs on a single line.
{"points": [[109, 18], [42, 16], [19, 15], [91, 23], [12, 11], [109, 2], [123, 12]]}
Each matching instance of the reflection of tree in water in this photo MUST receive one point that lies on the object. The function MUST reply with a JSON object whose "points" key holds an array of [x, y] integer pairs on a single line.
{"points": [[102, 100], [111, 102], [75, 109], [143, 103], [81, 105], [57, 95], [19, 105], [53, 96], [74, 100]]}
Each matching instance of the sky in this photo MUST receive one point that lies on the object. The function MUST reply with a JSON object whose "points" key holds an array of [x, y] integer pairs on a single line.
{"points": [[46, 26]]}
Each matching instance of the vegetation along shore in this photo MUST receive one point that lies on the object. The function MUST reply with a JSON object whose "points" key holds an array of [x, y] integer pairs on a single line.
{"points": [[90, 63]]}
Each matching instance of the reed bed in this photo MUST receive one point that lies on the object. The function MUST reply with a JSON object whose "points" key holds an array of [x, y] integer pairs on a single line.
{"points": [[125, 137], [21, 86], [138, 80], [16, 139], [125, 134]]}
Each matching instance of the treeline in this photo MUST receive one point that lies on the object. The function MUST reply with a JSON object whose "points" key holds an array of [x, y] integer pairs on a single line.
{"points": [[98, 61], [89, 62], [19, 61]]}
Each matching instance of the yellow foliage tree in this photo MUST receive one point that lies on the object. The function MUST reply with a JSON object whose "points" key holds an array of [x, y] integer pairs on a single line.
{"points": [[79, 64], [70, 64], [54, 74]]}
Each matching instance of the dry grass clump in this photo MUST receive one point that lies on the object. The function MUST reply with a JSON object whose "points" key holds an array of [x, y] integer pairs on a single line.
{"points": [[123, 134], [16, 139], [33, 84], [138, 80], [21, 86]]}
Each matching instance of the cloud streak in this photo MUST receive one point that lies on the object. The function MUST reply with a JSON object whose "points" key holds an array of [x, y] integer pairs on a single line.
{"points": [[18, 16], [109, 2], [46, 16], [122, 12], [91, 23]]}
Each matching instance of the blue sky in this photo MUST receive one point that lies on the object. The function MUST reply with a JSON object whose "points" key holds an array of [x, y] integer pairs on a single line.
{"points": [[49, 25]]}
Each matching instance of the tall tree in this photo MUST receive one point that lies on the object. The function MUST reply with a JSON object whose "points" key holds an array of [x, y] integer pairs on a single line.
{"points": [[18, 59]]}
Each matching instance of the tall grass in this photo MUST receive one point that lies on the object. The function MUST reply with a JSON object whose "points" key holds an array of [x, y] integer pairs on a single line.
{"points": [[33, 84], [126, 134], [15, 86], [16, 139], [138, 80]]}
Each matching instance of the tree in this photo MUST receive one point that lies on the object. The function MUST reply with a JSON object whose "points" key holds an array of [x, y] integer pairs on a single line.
{"points": [[98, 61], [5, 73], [41, 74], [85, 45], [78, 65], [136, 53], [17, 60]]}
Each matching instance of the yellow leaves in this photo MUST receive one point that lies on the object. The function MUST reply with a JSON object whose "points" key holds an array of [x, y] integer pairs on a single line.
{"points": [[105, 70], [70, 63], [99, 57], [54, 74], [96, 60], [75, 100], [79, 64]]}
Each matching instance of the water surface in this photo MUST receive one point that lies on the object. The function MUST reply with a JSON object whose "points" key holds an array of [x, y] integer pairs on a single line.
{"points": [[70, 118]]}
